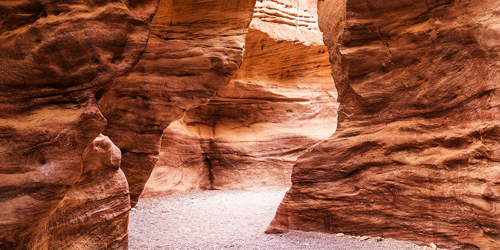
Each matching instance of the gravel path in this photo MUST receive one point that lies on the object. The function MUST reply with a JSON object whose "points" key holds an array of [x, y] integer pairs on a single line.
{"points": [[230, 220]]}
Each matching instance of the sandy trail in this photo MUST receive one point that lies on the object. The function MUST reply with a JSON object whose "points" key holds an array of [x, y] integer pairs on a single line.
{"points": [[230, 220]]}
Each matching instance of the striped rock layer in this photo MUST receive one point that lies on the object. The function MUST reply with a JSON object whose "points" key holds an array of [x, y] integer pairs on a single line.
{"points": [[416, 155], [194, 49], [279, 103], [54, 56]]}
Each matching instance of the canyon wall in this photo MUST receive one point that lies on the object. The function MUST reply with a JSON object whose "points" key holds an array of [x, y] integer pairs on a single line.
{"points": [[194, 48], [414, 158], [416, 155], [61, 182], [279, 103], [54, 56]]}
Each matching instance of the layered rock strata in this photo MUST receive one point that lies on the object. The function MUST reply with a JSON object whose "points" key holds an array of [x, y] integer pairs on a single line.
{"points": [[54, 56], [195, 47], [182, 166], [279, 103], [94, 212], [415, 156]]}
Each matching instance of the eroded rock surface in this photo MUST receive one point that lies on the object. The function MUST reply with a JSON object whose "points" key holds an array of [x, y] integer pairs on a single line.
{"points": [[54, 55], [94, 213], [416, 153], [280, 102], [182, 166], [195, 47]]}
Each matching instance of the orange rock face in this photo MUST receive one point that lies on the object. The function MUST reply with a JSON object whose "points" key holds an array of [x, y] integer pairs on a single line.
{"points": [[195, 47], [279, 103], [54, 55], [182, 166], [415, 156]]}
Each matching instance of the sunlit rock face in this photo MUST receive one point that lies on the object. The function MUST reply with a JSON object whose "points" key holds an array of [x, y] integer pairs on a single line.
{"points": [[182, 166], [194, 48], [279, 103], [54, 55], [416, 153]]}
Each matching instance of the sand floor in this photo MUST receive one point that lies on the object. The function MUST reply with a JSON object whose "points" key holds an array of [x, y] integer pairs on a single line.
{"points": [[230, 220]]}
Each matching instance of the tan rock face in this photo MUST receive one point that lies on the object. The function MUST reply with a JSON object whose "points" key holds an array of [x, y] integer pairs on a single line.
{"points": [[280, 102], [54, 55], [182, 166], [194, 49], [415, 156]]}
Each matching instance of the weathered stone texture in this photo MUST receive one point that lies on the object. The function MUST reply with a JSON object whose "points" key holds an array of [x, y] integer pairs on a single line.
{"points": [[415, 156], [195, 47], [279, 103], [94, 212], [54, 55], [182, 166]]}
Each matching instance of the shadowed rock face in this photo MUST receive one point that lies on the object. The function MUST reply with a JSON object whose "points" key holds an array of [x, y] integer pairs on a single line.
{"points": [[54, 55], [416, 153], [279, 103], [195, 47], [98, 203]]}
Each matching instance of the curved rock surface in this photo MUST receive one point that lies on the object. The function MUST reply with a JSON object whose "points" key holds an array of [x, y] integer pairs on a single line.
{"points": [[182, 166], [94, 212], [195, 47], [279, 103], [416, 153], [54, 55]]}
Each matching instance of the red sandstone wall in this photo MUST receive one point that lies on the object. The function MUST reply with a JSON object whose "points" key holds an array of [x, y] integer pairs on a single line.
{"points": [[54, 56], [195, 47], [415, 156]]}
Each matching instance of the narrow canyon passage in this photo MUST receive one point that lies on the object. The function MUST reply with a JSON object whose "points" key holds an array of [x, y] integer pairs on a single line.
{"points": [[281, 101], [221, 219], [382, 118]]}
